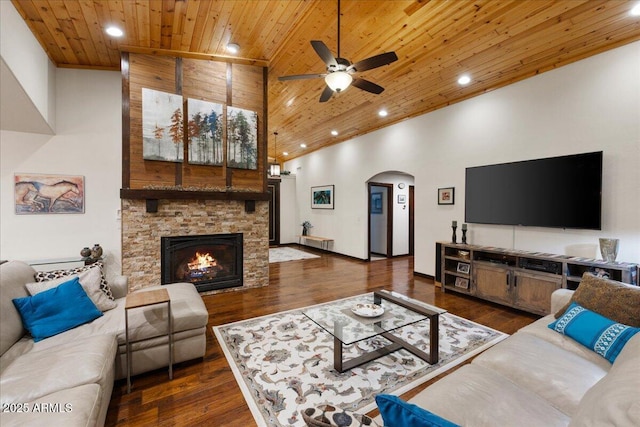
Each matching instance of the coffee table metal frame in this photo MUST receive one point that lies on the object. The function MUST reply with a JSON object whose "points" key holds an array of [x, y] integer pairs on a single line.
{"points": [[397, 343]]}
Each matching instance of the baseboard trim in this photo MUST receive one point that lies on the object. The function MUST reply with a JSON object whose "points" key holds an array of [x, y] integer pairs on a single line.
{"points": [[426, 276]]}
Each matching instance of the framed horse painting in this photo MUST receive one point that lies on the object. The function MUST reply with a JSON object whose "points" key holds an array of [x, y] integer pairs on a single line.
{"points": [[48, 194]]}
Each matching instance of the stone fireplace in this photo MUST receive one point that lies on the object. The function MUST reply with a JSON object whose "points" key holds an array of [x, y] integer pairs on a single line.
{"points": [[210, 261], [143, 233]]}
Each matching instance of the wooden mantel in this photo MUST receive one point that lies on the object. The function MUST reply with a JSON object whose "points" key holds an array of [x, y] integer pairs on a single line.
{"points": [[147, 194]]}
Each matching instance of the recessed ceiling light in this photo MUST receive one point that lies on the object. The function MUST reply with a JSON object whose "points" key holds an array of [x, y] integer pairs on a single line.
{"points": [[635, 10], [383, 113], [114, 31], [303, 145], [334, 132], [285, 153], [464, 79], [233, 48]]}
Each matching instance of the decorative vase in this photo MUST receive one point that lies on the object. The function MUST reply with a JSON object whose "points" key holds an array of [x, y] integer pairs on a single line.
{"points": [[85, 252], [305, 231], [96, 251], [609, 249]]}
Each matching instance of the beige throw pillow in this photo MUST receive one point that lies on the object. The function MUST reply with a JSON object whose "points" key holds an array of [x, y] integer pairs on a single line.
{"points": [[43, 276], [614, 300], [90, 282]]}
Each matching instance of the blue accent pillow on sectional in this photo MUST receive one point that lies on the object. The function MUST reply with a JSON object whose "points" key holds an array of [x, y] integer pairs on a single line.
{"points": [[56, 310], [594, 331], [396, 412]]}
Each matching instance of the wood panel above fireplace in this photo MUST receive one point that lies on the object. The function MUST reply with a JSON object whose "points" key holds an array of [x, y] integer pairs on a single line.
{"points": [[223, 83]]}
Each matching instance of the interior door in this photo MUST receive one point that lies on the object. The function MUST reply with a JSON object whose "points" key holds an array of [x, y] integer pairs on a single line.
{"points": [[411, 220], [273, 187], [380, 219]]}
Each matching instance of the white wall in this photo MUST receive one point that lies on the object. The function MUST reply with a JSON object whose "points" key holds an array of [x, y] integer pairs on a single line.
{"points": [[27, 64], [289, 223], [89, 143], [590, 105]]}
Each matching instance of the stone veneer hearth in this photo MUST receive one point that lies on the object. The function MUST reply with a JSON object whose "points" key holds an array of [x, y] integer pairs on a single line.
{"points": [[141, 233]]}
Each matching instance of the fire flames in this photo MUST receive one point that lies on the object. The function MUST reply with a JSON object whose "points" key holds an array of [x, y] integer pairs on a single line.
{"points": [[202, 262]]}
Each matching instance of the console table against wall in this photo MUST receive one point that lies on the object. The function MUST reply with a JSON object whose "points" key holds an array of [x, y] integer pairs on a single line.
{"points": [[520, 279]]}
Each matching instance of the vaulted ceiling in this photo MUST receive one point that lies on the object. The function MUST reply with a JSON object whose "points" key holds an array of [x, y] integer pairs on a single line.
{"points": [[495, 42]]}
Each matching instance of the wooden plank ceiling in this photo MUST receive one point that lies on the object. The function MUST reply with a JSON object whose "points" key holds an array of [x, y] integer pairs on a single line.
{"points": [[496, 42]]}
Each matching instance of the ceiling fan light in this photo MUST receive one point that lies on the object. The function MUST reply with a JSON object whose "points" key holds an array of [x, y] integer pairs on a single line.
{"points": [[338, 80]]}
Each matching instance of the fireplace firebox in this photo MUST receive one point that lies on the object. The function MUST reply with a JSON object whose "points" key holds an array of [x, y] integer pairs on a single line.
{"points": [[210, 262]]}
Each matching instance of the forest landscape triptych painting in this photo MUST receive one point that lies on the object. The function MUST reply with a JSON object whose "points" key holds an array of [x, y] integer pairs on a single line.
{"points": [[163, 131]]}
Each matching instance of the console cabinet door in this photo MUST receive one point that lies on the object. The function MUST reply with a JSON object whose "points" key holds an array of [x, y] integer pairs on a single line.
{"points": [[532, 292], [492, 282]]}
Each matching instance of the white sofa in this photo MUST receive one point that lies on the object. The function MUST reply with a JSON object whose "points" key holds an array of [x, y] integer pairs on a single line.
{"points": [[67, 379], [539, 377]]}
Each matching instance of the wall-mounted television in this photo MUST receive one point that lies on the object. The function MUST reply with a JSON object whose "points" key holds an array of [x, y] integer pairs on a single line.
{"points": [[561, 192]]}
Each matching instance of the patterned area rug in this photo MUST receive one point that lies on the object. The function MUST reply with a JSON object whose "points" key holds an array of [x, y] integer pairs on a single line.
{"points": [[288, 254], [284, 362]]}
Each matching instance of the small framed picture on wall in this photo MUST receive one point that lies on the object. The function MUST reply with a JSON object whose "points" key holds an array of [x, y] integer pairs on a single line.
{"points": [[446, 196]]}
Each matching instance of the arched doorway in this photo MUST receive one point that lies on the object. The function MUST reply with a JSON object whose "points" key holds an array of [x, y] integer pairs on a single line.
{"points": [[390, 215]]}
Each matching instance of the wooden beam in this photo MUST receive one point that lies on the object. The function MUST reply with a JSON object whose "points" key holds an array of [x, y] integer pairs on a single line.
{"points": [[128, 193], [193, 55]]}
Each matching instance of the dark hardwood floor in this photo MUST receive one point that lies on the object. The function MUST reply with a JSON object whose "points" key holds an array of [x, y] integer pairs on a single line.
{"points": [[204, 392]]}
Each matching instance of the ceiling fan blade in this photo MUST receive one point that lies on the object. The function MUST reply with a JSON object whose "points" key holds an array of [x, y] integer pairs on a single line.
{"points": [[368, 86], [324, 53], [301, 76], [374, 62], [326, 94]]}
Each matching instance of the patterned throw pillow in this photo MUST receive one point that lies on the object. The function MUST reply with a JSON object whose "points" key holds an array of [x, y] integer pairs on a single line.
{"points": [[331, 416], [604, 336], [609, 298], [42, 276]]}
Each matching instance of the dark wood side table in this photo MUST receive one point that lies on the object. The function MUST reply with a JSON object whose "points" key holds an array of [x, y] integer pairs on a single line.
{"points": [[143, 299]]}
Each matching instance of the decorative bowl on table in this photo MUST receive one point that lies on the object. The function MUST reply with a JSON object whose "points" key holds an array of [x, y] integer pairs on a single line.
{"points": [[367, 310]]}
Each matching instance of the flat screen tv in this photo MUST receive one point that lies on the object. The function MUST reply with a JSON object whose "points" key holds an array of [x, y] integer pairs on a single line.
{"points": [[561, 192]]}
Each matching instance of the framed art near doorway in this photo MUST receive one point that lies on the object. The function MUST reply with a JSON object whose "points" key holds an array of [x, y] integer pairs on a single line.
{"points": [[376, 203], [322, 197], [446, 196]]}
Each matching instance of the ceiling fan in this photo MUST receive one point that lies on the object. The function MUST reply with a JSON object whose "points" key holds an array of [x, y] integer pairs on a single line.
{"points": [[339, 70]]}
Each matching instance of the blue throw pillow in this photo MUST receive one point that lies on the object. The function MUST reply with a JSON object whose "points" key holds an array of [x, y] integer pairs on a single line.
{"points": [[56, 310], [397, 413], [594, 331]]}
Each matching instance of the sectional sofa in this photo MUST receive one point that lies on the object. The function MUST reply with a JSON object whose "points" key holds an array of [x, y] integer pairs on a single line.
{"points": [[67, 379], [542, 377]]}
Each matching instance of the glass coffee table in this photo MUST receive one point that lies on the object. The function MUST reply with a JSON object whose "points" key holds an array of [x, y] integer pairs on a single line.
{"points": [[347, 328]]}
